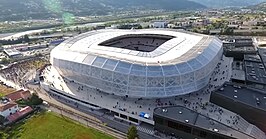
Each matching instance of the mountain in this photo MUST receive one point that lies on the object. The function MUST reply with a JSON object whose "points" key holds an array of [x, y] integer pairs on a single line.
{"points": [[227, 3], [25, 9], [260, 7]]}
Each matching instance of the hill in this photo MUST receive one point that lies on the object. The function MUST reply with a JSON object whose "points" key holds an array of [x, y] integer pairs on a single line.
{"points": [[228, 3], [260, 7], [42, 9]]}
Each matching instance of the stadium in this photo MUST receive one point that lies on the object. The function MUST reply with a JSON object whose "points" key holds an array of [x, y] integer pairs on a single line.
{"points": [[147, 63]]}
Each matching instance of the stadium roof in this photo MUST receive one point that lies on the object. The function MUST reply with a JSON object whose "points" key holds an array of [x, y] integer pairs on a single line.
{"points": [[182, 47]]}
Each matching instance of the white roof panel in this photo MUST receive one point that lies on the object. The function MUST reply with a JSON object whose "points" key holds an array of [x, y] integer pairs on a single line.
{"points": [[183, 45]]}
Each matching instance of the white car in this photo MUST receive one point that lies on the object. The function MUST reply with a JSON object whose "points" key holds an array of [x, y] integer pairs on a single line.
{"points": [[147, 116]]}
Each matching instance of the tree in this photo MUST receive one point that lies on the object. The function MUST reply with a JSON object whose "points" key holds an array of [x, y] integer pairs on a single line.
{"points": [[228, 31], [26, 38], [5, 60], [2, 119], [1, 47], [3, 135], [33, 101], [132, 133]]}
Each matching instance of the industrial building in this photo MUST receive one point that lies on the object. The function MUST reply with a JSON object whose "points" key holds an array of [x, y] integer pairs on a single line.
{"points": [[181, 122], [238, 47], [247, 102]]}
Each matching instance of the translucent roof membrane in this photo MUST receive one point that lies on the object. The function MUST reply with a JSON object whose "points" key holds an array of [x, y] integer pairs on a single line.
{"points": [[123, 67], [56, 62], [211, 52], [154, 71], [76, 66], [183, 67], [110, 64], [213, 47], [207, 54], [89, 59], [138, 70], [170, 70], [98, 62], [195, 64], [217, 42], [203, 59], [63, 64], [174, 90], [189, 87]]}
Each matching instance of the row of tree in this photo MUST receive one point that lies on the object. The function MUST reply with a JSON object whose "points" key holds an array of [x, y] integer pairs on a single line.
{"points": [[23, 39]]}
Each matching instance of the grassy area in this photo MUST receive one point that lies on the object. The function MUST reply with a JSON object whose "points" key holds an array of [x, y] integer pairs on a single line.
{"points": [[5, 90], [35, 64], [47, 125], [39, 64]]}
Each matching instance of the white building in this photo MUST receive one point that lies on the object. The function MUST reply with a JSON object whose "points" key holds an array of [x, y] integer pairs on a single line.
{"points": [[12, 53], [160, 24], [8, 107], [152, 63]]}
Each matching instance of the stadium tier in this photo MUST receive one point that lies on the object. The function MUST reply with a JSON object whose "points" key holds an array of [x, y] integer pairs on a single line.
{"points": [[147, 63]]}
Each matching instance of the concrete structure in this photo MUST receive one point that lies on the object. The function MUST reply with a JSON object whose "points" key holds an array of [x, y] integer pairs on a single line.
{"points": [[262, 53], [182, 122], [255, 72], [56, 42], [12, 53], [151, 63], [248, 103], [238, 47], [160, 24], [238, 72]]}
